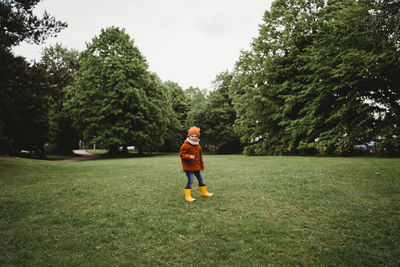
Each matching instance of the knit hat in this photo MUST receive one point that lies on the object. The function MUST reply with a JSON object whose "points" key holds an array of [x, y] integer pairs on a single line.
{"points": [[194, 130]]}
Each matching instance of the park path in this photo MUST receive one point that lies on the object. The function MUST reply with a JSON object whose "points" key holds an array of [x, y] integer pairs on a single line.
{"points": [[82, 155]]}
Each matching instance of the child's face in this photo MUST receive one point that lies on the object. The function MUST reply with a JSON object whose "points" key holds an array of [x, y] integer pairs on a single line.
{"points": [[194, 138]]}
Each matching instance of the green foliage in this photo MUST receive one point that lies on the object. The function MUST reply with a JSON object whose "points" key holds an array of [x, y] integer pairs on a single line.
{"points": [[60, 64], [218, 117], [321, 76], [383, 70], [114, 99], [23, 106], [23, 94], [197, 105], [179, 103], [19, 24], [316, 78]]}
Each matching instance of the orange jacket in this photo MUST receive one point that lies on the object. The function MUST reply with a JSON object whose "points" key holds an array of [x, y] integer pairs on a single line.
{"points": [[186, 151]]}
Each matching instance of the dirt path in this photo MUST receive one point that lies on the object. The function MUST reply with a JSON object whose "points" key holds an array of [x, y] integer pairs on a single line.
{"points": [[83, 155]]}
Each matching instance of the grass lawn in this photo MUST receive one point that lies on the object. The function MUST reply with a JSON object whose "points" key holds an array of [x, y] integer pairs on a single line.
{"points": [[267, 211]]}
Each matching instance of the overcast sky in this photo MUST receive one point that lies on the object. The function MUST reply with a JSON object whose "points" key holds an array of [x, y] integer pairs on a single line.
{"points": [[185, 41]]}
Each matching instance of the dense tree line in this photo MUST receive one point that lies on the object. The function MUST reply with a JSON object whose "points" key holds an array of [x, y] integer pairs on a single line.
{"points": [[24, 95], [321, 76]]}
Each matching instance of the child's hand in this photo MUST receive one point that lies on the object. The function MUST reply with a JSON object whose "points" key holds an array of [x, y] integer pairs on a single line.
{"points": [[191, 156]]}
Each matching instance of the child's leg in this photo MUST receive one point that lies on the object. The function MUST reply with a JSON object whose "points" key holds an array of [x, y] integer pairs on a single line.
{"points": [[202, 186], [189, 176], [199, 178], [188, 188]]}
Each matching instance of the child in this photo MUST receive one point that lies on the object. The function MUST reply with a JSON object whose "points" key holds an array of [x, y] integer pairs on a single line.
{"points": [[192, 163]]}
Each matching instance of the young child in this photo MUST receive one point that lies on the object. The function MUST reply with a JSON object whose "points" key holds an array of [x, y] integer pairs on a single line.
{"points": [[192, 163]]}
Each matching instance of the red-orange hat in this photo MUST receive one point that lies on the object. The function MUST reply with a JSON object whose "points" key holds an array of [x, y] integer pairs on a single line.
{"points": [[194, 130]]}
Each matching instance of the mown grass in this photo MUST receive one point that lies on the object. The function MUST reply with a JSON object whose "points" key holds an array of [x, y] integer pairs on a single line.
{"points": [[267, 211]]}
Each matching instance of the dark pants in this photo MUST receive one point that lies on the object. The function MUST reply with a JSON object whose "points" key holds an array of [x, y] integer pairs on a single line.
{"points": [[189, 175]]}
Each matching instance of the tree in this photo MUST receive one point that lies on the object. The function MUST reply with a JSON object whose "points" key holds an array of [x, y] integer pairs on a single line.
{"points": [[336, 116], [383, 73], [19, 24], [197, 105], [23, 96], [179, 107], [356, 76], [60, 64], [24, 108], [218, 118], [114, 99], [270, 75], [316, 78]]}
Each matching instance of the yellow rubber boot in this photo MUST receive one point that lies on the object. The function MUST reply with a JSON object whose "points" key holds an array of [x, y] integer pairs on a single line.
{"points": [[188, 196], [204, 193]]}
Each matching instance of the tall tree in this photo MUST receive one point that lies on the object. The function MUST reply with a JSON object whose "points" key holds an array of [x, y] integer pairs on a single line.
{"points": [[114, 99], [383, 71], [23, 105], [218, 118], [60, 64], [316, 78], [179, 104], [23, 108], [334, 115], [269, 76], [352, 69], [19, 24], [197, 105]]}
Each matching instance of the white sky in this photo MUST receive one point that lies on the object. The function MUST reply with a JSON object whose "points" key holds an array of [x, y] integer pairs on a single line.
{"points": [[185, 41]]}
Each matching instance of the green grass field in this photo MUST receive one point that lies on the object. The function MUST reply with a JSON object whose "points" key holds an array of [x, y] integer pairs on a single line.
{"points": [[267, 211]]}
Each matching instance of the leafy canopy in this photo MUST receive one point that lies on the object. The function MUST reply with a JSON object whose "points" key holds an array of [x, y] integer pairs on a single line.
{"points": [[114, 99], [321, 75]]}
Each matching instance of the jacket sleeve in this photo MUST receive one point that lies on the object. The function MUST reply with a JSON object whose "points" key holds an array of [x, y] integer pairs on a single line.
{"points": [[184, 152], [201, 160]]}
